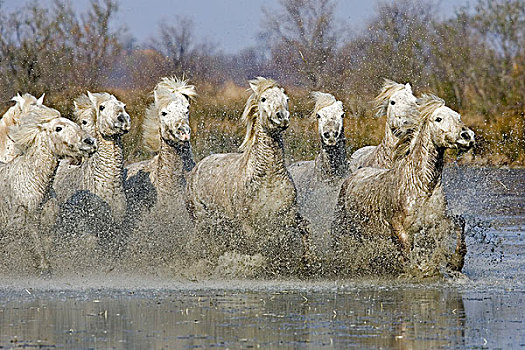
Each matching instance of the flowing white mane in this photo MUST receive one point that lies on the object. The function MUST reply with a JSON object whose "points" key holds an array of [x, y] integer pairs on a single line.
{"points": [[84, 107], [389, 88], [251, 110], [165, 91], [322, 100], [24, 133], [11, 117], [428, 103]]}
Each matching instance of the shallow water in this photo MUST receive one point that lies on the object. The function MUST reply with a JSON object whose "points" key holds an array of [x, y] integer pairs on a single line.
{"points": [[483, 310]]}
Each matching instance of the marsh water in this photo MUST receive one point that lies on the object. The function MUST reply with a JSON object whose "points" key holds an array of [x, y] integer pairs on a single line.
{"points": [[483, 309]]}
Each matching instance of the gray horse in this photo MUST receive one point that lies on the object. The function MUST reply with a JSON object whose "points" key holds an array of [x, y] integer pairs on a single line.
{"points": [[246, 202], [318, 181], [397, 102], [378, 210]]}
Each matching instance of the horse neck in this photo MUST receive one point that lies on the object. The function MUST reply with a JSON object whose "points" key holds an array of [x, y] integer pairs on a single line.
{"points": [[424, 164], [106, 168], [38, 169], [384, 151], [265, 158], [331, 160], [173, 162], [8, 119]]}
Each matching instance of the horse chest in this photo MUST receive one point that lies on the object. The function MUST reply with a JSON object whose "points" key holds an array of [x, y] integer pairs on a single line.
{"points": [[268, 198]]}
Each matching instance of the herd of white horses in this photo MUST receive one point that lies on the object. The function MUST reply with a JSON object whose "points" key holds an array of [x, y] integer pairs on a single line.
{"points": [[381, 210]]}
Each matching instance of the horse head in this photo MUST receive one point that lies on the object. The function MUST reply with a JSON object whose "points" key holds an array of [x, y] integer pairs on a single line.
{"points": [[446, 127], [397, 102], [268, 106], [329, 113], [110, 116], [63, 137]]}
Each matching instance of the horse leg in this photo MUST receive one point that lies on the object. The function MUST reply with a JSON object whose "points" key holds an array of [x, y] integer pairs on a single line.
{"points": [[36, 245], [401, 236], [458, 257]]}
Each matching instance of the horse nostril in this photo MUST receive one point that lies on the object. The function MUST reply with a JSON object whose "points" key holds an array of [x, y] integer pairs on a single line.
{"points": [[89, 141], [279, 115], [326, 135], [465, 135], [120, 118], [336, 134]]}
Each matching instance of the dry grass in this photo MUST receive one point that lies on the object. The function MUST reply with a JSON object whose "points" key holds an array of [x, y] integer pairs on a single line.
{"points": [[216, 126]]}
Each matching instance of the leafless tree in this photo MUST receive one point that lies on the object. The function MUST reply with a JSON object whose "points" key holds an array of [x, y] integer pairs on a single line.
{"points": [[301, 38]]}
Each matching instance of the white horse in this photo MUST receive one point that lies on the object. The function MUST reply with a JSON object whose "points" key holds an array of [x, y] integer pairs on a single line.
{"points": [[159, 184], [23, 104], [246, 202], [105, 117], [41, 139], [318, 181], [397, 102], [377, 206], [167, 132]]}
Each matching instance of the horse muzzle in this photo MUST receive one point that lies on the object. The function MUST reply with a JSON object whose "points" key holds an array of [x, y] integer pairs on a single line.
{"points": [[123, 123], [282, 119], [88, 145], [466, 139]]}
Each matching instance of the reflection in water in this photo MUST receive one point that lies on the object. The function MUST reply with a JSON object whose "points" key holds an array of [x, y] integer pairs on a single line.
{"points": [[397, 317], [393, 318]]}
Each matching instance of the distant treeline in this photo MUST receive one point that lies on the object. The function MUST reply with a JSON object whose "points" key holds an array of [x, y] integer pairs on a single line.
{"points": [[474, 59]]}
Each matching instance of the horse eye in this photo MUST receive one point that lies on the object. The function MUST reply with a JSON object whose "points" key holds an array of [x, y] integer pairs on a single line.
{"points": [[438, 119], [263, 99], [58, 129], [84, 122], [318, 116], [392, 102], [101, 108], [163, 114]]}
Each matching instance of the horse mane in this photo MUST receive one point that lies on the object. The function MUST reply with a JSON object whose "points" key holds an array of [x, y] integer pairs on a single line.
{"points": [[24, 133], [151, 129], [12, 115], [169, 86], [84, 108], [164, 92], [428, 103], [251, 109], [322, 100], [389, 88]]}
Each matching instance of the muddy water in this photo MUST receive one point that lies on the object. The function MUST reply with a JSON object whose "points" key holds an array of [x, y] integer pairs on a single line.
{"points": [[485, 309]]}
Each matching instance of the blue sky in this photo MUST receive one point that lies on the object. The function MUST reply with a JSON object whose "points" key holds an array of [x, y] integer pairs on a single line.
{"points": [[231, 24]]}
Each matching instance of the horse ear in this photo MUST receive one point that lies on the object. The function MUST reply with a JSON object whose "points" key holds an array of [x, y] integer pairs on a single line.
{"points": [[40, 100], [19, 99], [155, 97], [340, 104], [408, 87], [253, 87], [187, 97], [93, 99]]}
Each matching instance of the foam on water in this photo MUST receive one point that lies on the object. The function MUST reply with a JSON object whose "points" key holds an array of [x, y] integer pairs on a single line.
{"points": [[490, 200]]}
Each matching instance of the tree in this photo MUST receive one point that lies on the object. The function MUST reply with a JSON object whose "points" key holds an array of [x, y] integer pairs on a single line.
{"points": [[395, 45], [50, 50], [301, 39], [177, 43]]}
